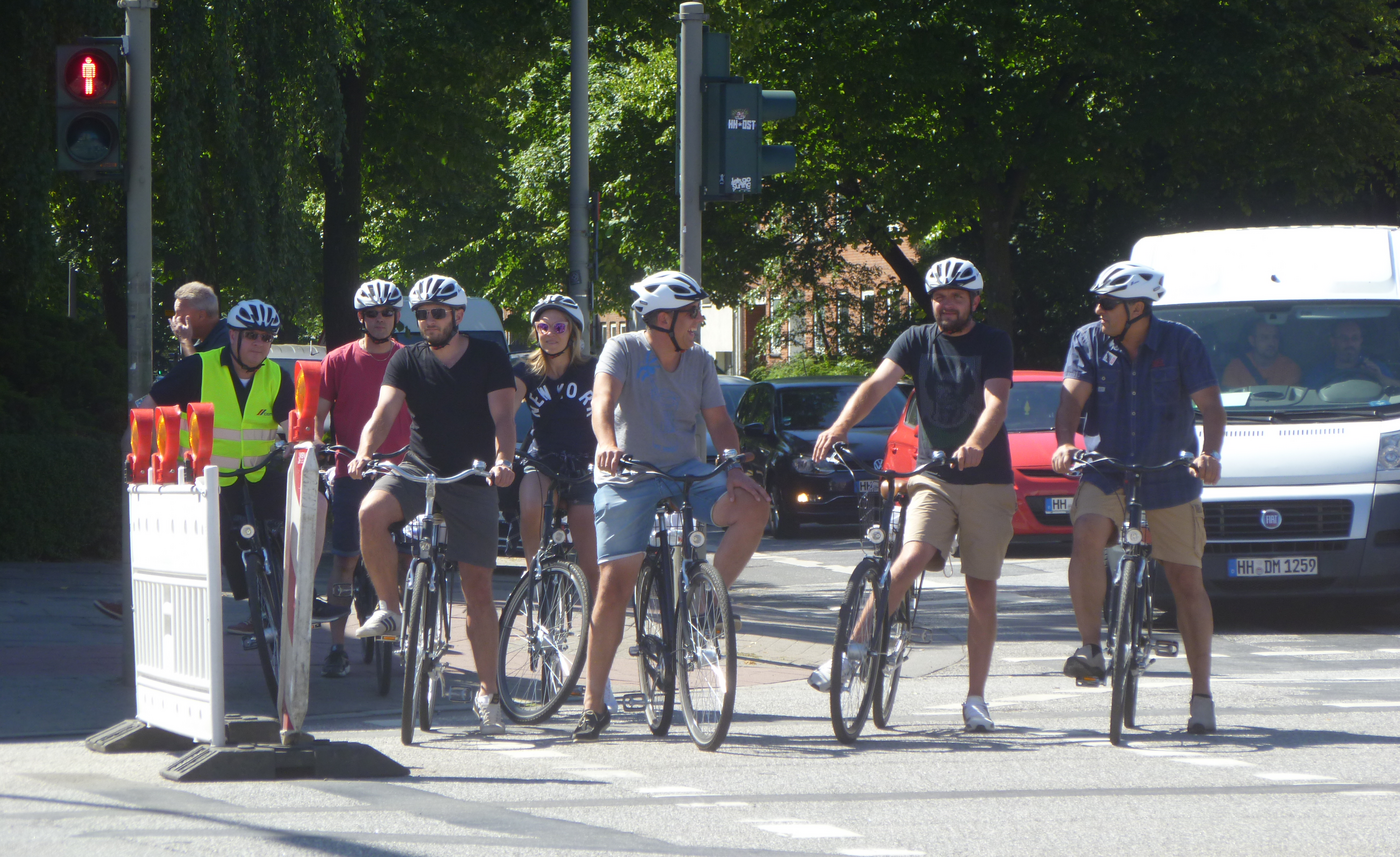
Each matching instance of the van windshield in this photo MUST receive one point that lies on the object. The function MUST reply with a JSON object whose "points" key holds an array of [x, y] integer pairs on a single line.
{"points": [[1301, 360]]}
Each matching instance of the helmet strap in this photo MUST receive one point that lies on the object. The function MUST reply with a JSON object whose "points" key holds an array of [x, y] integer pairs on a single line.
{"points": [[1118, 340], [236, 355], [670, 332]]}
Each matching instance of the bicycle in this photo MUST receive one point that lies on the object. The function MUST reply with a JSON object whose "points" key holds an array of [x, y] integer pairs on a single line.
{"points": [[427, 630], [377, 650], [544, 624], [1131, 645], [682, 613], [871, 645]]}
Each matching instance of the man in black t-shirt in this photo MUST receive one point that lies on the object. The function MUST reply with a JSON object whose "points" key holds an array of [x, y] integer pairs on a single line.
{"points": [[462, 396], [962, 377]]}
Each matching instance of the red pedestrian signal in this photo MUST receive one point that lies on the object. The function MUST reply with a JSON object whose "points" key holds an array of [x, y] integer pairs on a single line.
{"points": [[88, 106]]}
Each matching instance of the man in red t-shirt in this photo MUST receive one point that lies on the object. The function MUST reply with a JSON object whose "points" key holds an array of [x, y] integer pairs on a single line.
{"points": [[350, 380]]}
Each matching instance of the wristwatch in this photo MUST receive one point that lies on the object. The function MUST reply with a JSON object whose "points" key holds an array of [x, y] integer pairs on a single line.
{"points": [[1214, 455]]}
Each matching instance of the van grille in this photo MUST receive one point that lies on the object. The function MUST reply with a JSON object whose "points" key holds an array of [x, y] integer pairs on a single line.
{"points": [[1302, 519]]}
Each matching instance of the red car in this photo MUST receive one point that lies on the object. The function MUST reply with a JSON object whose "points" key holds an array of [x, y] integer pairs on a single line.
{"points": [[1042, 495]]}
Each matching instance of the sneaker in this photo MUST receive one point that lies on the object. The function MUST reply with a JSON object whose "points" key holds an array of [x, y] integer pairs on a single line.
{"points": [[488, 710], [975, 715], [337, 664], [324, 611], [382, 624], [241, 629], [591, 725], [820, 679], [110, 609], [1202, 719], [609, 701], [1086, 662]]}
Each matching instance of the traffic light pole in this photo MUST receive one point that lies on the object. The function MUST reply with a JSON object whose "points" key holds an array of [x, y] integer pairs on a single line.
{"points": [[578, 164], [138, 243], [692, 18]]}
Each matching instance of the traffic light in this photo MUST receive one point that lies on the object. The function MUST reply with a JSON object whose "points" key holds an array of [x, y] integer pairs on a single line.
{"points": [[88, 100], [735, 159]]}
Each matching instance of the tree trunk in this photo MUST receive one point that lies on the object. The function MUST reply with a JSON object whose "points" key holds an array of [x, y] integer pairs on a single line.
{"points": [[999, 204], [344, 217], [888, 249]]}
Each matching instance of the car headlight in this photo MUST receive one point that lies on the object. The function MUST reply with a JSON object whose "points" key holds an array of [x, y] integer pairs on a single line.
{"points": [[805, 464], [1388, 458]]}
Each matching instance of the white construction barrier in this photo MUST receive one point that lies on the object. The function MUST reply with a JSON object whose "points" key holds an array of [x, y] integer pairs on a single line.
{"points": [[177, 607], [298, 588]]}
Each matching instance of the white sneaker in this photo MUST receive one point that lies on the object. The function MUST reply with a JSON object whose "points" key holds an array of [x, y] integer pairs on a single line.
{"points": [[609, 701], [488, 710], [820, 679], [383, 623], [1202, 719], [975, 715]]}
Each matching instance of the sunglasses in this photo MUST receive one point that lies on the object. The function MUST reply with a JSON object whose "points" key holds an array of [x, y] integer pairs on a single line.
{"points": [[379, 313], [259, 336], [559, 327], [437, 313], [693, 310], [1109, 304]]}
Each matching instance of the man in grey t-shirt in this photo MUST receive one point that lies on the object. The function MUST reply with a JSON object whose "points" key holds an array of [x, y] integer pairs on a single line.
{"points": [[650, 391]]}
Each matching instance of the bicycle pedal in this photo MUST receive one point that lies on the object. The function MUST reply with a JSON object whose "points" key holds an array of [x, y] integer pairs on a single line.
{"points": [[921, 635], [1088, 682], [1165, 648], [632, 651], [632, 703], [250, 643]]}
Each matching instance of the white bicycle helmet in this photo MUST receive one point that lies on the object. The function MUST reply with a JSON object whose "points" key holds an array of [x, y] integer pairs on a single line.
{"points": [[437, 289], [565, 304], [254, 315], [666, 290], [377, 293], [1130, 281], [953, 273]]}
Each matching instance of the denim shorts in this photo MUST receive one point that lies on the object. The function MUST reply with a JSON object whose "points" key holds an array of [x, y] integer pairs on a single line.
{"points": [[625, 512], [346, 496]]}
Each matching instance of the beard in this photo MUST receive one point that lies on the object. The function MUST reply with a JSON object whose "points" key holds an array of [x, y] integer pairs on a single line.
{"points": [[955, 325], [441, 339]]}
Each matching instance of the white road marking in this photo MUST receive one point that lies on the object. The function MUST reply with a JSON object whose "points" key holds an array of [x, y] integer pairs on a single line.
{"points": [[534, 754], [678, 791], [1300, 653], [790, 560], [1287, 776], [796, 828], [609, 773], [715, 804], [880, 852], [1365, 703]]}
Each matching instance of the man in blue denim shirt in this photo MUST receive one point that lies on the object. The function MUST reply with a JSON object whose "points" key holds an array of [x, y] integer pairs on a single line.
{"points": [[1138, 376]]}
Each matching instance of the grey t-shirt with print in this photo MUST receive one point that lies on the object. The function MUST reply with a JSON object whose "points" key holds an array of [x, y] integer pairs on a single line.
{"points": [[658, 417]]}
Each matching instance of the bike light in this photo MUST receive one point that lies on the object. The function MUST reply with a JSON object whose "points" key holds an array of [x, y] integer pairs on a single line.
{"points": [[246, 531], [875, 535], [1133, 535], [697, 538], [1388, 458], [558, 537]]}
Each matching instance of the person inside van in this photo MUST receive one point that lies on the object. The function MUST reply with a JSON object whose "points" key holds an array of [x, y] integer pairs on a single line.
{"points": [[1348, 364], [1262, 364]]}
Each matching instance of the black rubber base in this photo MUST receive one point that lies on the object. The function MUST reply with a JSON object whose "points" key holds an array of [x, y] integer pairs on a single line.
{"points": [[330, 760], [135, 736]]}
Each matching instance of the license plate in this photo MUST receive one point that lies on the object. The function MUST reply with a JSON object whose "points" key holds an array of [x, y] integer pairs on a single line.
{"points": [[1057, 505], [1273, 566], [869, 485]]}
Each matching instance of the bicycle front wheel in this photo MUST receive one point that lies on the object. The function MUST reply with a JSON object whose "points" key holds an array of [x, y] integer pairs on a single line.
{"points": [[265, 612], [708, 657], [383, 664], [432, 637], [1142, 636], [855, 656], [656, 663], [1124, 645], [544, 636], [894, 651], [365, 602], [412, 625]]}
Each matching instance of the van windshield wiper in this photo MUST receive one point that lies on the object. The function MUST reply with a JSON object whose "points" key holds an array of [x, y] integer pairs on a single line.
{"points": [[1373, 412]]}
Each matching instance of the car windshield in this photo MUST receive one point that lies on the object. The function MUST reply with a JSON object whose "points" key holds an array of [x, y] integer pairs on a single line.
{"points": [[1031, 406], [732, 394], [1301, 360], [816, 408]]}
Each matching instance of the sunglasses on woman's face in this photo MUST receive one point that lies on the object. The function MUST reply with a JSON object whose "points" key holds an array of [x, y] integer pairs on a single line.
{"points": [[559, 327], [259, 336], [437, 313], [379, 313]]}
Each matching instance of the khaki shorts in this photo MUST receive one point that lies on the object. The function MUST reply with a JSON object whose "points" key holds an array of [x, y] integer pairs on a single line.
{"points": [[979, 515], [1178, 533]]}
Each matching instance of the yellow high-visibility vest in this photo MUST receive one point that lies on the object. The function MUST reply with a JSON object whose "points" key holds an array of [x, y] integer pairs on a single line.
{"points": [[241, 437]]}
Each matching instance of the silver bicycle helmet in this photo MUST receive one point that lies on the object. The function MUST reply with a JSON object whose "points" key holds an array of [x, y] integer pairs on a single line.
{"points": [[953, 273], [1130, 281], [437, 289], [254, 315], [565, 304], [377, 293], [666, 290]]}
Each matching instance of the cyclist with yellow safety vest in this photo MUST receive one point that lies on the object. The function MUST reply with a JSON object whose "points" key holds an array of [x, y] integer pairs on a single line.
{"points": [[251, 397]]}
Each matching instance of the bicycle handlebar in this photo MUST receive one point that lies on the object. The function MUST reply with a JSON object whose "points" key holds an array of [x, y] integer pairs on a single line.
{"points": [[550, 473], [377, 456], [1083, 459], [722, 463], [277, 452], [478, 468], [847, 457]]}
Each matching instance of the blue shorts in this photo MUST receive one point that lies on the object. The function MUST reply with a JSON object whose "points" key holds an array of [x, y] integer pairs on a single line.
{"points": [[346, 496], [625, 512]]}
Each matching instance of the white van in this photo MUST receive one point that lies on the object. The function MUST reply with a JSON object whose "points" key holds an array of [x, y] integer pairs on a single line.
{"points": [[1309, 501]]}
